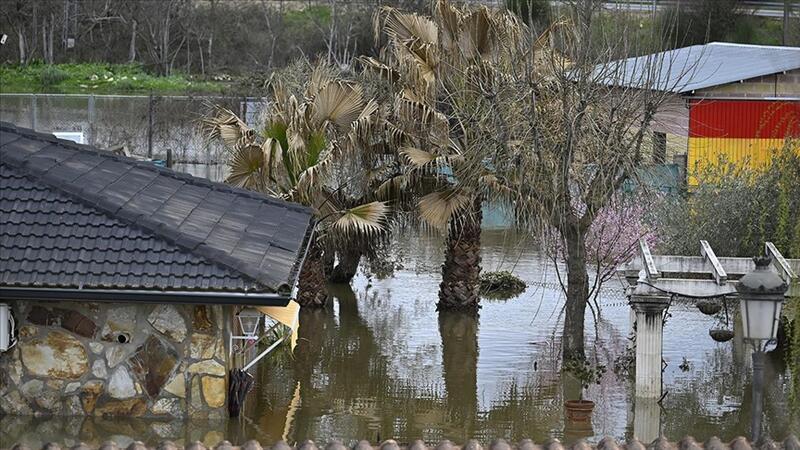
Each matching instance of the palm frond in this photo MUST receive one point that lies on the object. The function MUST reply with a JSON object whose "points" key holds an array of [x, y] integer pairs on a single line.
{"points": [[366, 220], [228, 127], [371, 64], [418, 158], [247, 168], [437, 208], [338, 102]]}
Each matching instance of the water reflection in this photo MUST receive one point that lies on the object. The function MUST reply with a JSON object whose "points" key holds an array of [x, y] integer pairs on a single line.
{"points": [[380, 362], [459, 333]]}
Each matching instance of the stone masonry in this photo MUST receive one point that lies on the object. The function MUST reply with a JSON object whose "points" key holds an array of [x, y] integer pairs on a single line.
{"points": [[115, 359]]}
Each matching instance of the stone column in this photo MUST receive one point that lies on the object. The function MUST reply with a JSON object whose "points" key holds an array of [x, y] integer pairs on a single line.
{"points": [[647, 420], [649, 305]]}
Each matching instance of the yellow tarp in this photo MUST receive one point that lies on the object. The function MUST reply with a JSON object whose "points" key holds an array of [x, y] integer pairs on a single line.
{"points": [[288, 315]]}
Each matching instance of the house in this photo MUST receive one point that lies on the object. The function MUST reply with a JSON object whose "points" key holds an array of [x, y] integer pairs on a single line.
{"points": [[729, 101], [124, 279]]}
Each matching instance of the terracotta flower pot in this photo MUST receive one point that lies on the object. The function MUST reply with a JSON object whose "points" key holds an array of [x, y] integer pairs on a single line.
{"points": [[579, 410]]}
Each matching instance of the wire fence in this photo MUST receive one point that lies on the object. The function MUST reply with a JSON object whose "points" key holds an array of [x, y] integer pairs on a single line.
{"points": [[141, 126]]}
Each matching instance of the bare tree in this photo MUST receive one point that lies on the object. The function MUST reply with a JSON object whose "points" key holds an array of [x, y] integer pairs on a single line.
{"points": [[575, 122]]}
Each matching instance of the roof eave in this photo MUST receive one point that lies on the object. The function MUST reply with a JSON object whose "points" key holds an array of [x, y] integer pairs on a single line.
{"points": [[144, 296]]}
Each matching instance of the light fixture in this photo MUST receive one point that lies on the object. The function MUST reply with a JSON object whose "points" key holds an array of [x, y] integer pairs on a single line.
{"points": [[249, 319], [761, 297]]}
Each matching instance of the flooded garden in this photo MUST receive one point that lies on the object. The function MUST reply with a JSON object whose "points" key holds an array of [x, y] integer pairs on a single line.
{"points": [[379, 361]]}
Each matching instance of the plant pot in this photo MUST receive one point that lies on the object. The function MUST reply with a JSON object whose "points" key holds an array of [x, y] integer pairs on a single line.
{"points": [[579, 410], [709, 308], [721, 335]]}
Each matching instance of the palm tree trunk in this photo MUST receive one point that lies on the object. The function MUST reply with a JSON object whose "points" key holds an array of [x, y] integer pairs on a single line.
{"points": [[577, 295], [347, 266], [461, 270], [311, 292]]}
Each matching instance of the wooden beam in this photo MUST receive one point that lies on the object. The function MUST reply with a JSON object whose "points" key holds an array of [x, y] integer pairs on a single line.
{"points": [[649, 265], [780, 262], [720, 276]]}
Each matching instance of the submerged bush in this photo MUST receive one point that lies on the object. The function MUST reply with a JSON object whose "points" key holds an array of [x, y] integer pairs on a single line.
{"points": [[501, 284]]}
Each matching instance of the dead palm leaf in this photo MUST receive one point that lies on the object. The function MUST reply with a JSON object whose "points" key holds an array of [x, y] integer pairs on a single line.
{"points": [[228, 127], [338, 102], [437, 208], [247, 168], [366, 220]]}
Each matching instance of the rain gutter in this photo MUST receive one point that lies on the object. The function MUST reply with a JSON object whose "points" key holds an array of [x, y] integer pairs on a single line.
{"points": [[145, 296]]}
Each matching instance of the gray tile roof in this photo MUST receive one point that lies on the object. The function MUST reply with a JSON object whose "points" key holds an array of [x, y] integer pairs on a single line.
{"points": [[72, 216], [700, 66]]}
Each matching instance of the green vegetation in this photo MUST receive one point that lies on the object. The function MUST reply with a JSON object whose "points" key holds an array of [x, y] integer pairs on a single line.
{"points": [[736, 210], [501, 284], [94, 78], [585, 372]]}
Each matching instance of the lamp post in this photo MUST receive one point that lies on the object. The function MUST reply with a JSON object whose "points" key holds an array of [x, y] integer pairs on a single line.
{"points": [[760, 297], [249, 318]]}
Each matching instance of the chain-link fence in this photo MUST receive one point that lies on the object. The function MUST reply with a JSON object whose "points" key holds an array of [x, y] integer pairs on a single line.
{"points": [[140, 126]]}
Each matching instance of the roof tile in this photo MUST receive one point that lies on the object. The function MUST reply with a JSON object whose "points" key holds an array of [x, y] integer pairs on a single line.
{"points": [[74, 216]]}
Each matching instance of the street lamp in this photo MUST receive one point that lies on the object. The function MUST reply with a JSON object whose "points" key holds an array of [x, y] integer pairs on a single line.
{"points": [[760, 298], [249, 318]]}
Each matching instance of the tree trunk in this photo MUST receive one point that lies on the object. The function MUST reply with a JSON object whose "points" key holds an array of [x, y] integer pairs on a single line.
{"points": [[311, 284], [23, 58], [347, 266], [577, 294], [132, 46], [461, 270], [50, 56]]}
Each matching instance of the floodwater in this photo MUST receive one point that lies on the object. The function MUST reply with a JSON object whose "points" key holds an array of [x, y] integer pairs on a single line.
{"points": [[380, 363]]}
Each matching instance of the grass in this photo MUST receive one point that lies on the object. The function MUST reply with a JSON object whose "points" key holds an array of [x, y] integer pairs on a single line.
{"points": [[98, 78]]}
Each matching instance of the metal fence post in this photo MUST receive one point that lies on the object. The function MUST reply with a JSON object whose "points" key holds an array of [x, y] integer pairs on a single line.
{"points": [[150, 108], [90, 139], [34, 113]]}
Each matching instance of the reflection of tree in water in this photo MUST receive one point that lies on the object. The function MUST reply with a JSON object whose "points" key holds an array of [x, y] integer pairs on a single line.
{"points": [[530, 410], [716, 401], [459, 333], [348, 390]]}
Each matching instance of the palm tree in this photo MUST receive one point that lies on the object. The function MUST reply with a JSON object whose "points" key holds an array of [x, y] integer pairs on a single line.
{"points": [[301, 154], [425, 60]]}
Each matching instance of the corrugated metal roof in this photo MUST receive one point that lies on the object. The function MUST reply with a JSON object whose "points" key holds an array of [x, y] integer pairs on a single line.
{"points": [[72, 216], [699, 66]]}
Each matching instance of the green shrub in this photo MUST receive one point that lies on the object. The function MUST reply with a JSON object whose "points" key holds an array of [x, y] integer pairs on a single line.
{"points": [[51, 76], [501, 284], [736, 210]]}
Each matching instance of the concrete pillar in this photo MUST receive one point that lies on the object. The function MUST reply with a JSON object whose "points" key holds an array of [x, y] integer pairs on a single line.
{"points": [[649, 306], [647, 420]]}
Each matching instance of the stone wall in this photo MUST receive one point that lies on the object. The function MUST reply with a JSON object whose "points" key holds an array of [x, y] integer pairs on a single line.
{"points": [[111, 359]]}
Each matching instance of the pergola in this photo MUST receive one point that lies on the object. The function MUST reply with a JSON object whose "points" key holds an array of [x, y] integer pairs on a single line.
{"points": [[654, 281]]}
